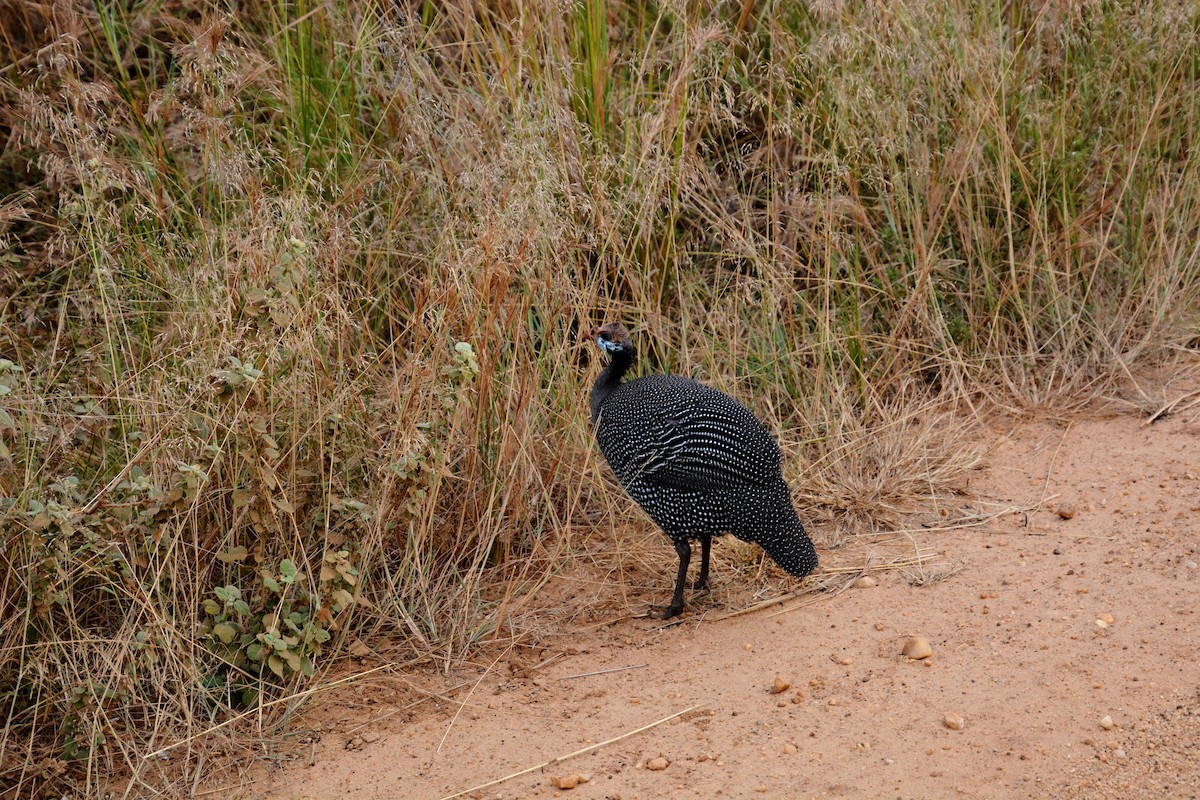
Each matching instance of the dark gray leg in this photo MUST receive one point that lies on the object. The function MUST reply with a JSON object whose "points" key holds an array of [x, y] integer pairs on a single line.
{"points": [[705, 546], [684, 549]]}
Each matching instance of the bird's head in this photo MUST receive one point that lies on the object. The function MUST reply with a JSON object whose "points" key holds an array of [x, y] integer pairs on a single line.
{"points": [[613, 337]]}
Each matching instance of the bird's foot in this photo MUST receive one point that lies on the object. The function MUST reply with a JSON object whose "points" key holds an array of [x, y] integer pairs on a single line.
{"points": [[665, 612], [701, 585]]}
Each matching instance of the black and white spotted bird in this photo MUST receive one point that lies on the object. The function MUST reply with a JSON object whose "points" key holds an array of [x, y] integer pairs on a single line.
{"points": [[697, 461]]}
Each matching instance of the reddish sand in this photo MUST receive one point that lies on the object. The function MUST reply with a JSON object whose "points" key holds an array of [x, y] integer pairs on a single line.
{"points": [[1018, 653]]}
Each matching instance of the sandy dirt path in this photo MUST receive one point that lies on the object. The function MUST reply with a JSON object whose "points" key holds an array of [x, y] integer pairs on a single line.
{"points": [[1017, 653]]}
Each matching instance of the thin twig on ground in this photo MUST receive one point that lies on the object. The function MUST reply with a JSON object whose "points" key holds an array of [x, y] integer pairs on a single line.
{"points": [[463, 704], [604, 671], [1040, 588], [579, 752], [1050, 469], [1169, 407]]}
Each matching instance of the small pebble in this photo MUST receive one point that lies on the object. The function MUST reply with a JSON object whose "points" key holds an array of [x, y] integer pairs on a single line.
{"points": [[1107, 723], [845, 661], [865, 582], [917, 648], [781, 685], [789, 748], [798, 697], [1066, 510], [1101, 624], [657, 764], [953, 721], [760, 789], [1107, 619], [567, 782]]}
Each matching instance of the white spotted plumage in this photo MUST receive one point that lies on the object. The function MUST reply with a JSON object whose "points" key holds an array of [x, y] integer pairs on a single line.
{"points": [[697, 461]]}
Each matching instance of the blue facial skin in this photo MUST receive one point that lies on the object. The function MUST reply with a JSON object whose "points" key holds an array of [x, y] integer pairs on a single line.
{"points": [[605, 344]]}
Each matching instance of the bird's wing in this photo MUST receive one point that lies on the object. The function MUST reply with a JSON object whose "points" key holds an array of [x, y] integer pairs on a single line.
{"points": [[708, 446]]}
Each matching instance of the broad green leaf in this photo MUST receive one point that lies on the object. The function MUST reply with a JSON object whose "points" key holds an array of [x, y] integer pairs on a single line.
{"points": [[225, 632]]}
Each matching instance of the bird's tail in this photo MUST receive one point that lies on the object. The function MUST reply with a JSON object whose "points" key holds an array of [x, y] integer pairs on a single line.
{"points": [[771, 521], [790, 548]]}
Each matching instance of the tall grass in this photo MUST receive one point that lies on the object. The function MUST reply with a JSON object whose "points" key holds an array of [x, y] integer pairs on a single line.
{"points": [[292, 300]]}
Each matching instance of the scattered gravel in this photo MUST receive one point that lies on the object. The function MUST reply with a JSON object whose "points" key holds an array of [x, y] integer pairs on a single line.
{"points": [[1157, 761]]}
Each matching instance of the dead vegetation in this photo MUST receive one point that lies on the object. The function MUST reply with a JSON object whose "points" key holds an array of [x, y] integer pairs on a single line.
{"points": [[289, 354]]}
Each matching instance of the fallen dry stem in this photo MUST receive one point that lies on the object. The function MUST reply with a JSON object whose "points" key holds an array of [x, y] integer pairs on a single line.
{"points": [[774, 601], [463, 703], [824, 583], [1050, 469], [974, 521], [543, 663], [604, 671], [898, 563], [579, 752], [428, 695], [226, 789], [1169, 407], [431, 695]]}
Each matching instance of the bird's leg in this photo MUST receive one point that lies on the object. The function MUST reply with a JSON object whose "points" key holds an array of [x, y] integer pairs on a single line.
{"points": [[701, 583], [684, 549]]}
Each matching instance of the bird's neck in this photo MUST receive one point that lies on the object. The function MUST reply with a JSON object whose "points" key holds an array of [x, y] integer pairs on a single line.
{"points": [[610, 378]]}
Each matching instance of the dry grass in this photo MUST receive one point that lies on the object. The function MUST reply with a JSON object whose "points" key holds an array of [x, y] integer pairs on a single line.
{"points": [[291, 303]]}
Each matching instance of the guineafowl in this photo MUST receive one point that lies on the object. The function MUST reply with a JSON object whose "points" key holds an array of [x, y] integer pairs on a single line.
{"points": [[697, 461]]}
